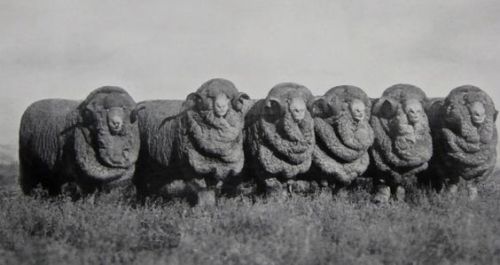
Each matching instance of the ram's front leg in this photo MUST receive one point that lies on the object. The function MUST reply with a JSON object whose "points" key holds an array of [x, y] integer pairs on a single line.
{"points": [[382, 180], [205, 196]]}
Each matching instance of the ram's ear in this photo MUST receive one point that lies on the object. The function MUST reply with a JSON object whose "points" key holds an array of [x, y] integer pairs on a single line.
{"points": [[193, 100], [273, 108], [135, 112], [385, 107], [239, 101]]}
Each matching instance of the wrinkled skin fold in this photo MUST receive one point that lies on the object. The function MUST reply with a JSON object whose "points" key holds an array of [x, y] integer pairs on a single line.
{"points": [[295, 151], [87, 161], [212, 136], [92, 143], [465, 136], [214, 144]]}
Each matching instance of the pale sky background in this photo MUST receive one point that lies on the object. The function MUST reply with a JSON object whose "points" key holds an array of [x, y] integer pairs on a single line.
{"points": [[166, 49]]}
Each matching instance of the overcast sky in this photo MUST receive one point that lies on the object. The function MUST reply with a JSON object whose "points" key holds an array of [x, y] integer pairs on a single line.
{"points": [[166, 49]]}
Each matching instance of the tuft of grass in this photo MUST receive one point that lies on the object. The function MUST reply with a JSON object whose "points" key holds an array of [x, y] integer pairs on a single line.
{"points": [[347, 228]]}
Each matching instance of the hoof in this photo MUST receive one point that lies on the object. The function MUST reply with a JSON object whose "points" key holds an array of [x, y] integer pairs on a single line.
{"points": [[324, 183], [400, 193], [279, 195], [176, 188], [273, 185], [383, 195], [299, 186], [342, 194], [452, 189], [71, 190], [275, 188], [206, 198], [246, 189], [472, 192]]}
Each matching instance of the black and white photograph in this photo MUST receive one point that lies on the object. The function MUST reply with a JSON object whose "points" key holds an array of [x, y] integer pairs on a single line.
{"points": [[249, 132]]}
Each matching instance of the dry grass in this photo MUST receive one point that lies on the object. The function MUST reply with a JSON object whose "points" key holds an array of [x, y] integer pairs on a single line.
{"points": [[346, 229]]}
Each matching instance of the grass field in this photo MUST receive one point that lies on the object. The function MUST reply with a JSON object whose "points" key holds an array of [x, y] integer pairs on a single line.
{"points": [[347, 229]]}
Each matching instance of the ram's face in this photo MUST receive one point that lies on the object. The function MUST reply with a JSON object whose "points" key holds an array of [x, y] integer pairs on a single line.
{"points": [[343, 102], [106, 113], [288, 110], [217, 99], [357, 109], [469, 113], [297, 108], [109, 116], [477, 112], [116, 117], [459, 113], [414, 111], [221, 105]]}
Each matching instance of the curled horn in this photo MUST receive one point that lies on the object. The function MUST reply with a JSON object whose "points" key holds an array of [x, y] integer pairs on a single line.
{"points": [[238, 101], [85, 111], [385, 107], [324, 108], [274, 107], [192, 100], [336, 105], [319, 107], [135, 112]]}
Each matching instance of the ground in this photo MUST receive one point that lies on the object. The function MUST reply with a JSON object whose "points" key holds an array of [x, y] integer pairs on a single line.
{"points": [[345, 229]]}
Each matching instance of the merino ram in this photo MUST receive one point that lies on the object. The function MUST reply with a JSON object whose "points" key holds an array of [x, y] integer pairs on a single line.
{"points": [[94, 143], [343, 136], [193, 147], [403, 143], [279, 134], [465, 138]]}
